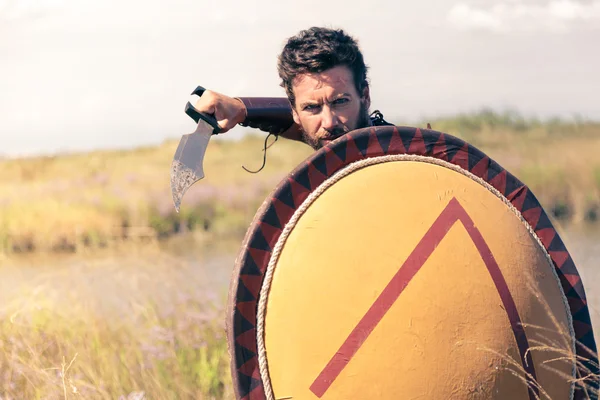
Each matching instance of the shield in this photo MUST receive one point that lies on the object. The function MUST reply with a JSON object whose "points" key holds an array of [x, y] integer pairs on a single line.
{"points": [[399, 262]]}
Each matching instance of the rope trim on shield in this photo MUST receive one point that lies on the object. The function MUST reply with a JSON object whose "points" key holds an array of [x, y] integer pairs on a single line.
{"points": [[268, 277]]}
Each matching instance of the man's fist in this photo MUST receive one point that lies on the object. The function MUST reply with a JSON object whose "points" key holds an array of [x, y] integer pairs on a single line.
{"points": [[228, 111]]}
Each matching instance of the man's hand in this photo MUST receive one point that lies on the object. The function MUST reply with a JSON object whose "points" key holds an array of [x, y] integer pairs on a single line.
{"points": [[228, 111]]}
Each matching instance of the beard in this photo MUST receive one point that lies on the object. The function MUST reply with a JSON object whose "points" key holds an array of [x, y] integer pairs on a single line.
{"points": [[362, 122]]}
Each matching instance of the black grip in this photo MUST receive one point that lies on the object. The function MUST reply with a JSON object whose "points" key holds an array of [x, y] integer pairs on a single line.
{"points": [[199, 91], [196, 115]]}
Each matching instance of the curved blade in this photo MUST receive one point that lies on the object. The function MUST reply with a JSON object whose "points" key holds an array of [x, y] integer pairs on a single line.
{"points": [[187, 167]]}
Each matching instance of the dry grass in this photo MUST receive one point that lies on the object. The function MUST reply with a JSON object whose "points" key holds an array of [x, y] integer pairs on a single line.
{"points": [[146, 323], [557, 159], [73, 202], [80, 201], [136, 322], [554, 344], [107, 328]]}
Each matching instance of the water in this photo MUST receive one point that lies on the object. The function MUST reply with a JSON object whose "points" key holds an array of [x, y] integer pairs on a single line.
{"points": [[118, 284], [584, 247]]}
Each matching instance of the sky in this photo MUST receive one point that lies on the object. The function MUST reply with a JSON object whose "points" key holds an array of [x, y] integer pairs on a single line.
{"points": [[77, 75]]}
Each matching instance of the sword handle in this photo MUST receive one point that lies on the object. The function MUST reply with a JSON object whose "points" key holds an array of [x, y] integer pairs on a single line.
{"points": [[196, 115]]}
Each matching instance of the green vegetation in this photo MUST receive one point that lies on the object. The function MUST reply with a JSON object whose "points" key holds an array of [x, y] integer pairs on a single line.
{"points": [[81, 201], [110, 330], [100, 199], [557, 159]]}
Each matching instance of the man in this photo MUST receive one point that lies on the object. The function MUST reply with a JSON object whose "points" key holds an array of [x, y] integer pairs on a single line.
{"points": [[325, 78]]}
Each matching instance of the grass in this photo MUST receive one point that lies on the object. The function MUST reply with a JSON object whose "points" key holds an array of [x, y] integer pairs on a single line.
{"points": [[106, 361], [147, 324], [124, 319], [552, 343], [78, 201], [557, 159], [74, 202], [64, 335]]}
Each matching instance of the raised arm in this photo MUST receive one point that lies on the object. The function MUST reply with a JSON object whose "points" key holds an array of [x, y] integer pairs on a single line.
{"points": [[269, 114]]}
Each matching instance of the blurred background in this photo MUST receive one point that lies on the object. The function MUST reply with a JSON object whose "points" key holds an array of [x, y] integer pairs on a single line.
{"points": [[106, 292]]}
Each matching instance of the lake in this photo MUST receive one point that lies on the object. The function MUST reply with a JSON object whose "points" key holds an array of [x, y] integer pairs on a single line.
{"points": [[114, 283]]}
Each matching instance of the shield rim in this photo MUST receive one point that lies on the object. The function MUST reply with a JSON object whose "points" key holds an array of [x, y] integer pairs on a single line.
{"points": [[273, 215]]}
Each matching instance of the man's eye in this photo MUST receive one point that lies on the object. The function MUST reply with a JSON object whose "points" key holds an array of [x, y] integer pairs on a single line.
{"points": [[311, 107], [340, 101]]}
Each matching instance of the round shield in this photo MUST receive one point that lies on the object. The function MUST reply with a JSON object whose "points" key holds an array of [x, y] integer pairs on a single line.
{"points": [[404, 263]]}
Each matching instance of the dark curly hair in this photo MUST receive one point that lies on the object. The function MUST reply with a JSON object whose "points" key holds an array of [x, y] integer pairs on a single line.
{"points": [[316, 50]]}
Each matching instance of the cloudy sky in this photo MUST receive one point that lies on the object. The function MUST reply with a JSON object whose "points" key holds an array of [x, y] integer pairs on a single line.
{"points": [[81, 74]]}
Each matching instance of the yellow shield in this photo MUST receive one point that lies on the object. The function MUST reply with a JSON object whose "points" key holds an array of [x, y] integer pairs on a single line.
{"points": [[399, 263]]}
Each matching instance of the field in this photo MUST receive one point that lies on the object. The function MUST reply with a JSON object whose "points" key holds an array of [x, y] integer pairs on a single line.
{"points": [[108, 292], [109, 328], [81, 201]]}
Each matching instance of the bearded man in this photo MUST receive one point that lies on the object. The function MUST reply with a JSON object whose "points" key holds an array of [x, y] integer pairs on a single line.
{"points": [[325, 78]]}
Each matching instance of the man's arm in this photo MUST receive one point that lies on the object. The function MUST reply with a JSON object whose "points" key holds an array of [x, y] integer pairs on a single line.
{"points": [[269, 114]]}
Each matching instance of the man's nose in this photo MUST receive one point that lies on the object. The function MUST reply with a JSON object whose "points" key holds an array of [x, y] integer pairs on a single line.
{"points": [[328, 119]]}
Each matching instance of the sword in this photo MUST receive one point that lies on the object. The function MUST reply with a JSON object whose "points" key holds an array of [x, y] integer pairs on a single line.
{"points": [[269, 114], [187, 166]]}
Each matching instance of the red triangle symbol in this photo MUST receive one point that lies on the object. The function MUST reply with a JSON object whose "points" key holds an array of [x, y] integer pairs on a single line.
{"points": [[546, 235], [517, 197], [258, 393], [283, 211], [315, 176], [481, 168], [454, 212], [374, 147], [396, 145], [270, 233], [573, 279], [352, 152], [439, 149], [247, 340], [253, 283], [332, 161], [248, 311], [499, 181], [417, 145], [532, 216], [299, 192], [260, 257], [559, 257], [249, 367], [461, 158]]}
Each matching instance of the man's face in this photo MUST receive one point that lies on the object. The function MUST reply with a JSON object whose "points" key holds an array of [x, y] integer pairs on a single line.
{"points": [[328, 105]]}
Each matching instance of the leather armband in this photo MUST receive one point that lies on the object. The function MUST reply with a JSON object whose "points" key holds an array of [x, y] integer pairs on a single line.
{"points": [[269, 114]]}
